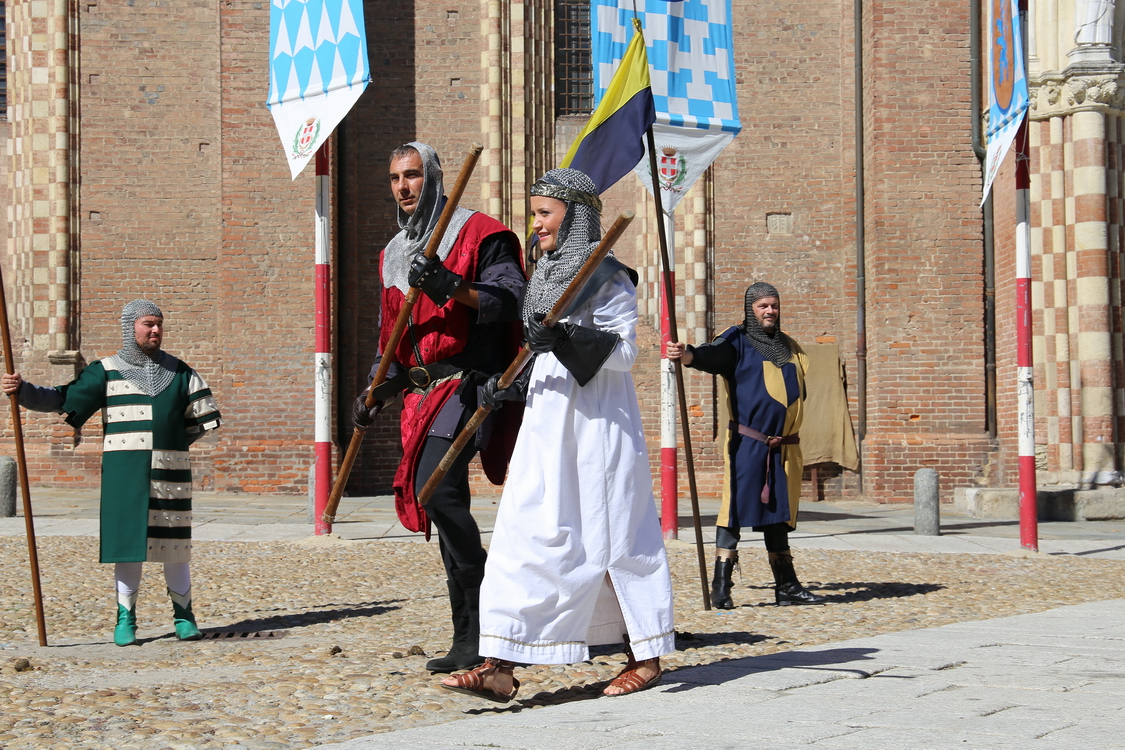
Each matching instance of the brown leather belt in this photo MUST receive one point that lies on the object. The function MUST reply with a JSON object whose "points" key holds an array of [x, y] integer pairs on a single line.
{"points": [[771, 441]]}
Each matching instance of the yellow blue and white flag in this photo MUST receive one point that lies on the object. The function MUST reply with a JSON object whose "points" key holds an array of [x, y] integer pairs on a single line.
{"points": [[612, 142], [1007, 85], [318, 69], [691, 66]]}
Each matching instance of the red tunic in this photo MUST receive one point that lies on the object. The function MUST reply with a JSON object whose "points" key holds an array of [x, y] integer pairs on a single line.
{"points": [[441, 332]]}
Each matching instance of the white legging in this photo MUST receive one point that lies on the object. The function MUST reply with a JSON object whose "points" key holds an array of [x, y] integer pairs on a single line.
{"points": [[128, 575]]}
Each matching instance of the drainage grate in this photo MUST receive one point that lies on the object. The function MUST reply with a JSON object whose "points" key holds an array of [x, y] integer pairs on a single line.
{"points": [[235, 635]]}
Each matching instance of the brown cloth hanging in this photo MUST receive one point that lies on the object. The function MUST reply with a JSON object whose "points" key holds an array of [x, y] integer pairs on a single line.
{"points": [[827, 435]]}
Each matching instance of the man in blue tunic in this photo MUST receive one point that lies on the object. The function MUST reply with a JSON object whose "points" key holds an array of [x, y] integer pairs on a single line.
{"points": [[764, 386]]}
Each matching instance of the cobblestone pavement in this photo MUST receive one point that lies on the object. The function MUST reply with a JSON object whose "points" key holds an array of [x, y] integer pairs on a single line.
{"points": [[323, 640]]}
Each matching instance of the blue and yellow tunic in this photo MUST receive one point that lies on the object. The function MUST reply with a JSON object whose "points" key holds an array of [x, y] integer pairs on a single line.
{"points": [[146, 470], [760, 395]]}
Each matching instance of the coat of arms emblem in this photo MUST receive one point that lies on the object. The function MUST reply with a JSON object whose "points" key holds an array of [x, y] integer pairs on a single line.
{"points": [[673, 169], [305, 138]]}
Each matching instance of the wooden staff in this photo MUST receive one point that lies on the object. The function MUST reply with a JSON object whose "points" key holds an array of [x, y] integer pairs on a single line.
{"points": [[21, 463], [400, 327], [575, 286], [670, 301]]}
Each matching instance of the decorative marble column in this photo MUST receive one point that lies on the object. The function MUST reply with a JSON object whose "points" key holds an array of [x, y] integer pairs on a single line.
{"points": [[39, 215], [1078, 94]]}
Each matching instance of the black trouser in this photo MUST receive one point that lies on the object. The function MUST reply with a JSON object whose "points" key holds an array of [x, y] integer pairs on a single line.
{"points": [[775, 535], [448, 508]]}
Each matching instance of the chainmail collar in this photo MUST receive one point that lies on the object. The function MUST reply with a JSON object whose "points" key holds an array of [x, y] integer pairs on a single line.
{"points": [[774, 347], [577, 240], [151, 374], [415, 229]]}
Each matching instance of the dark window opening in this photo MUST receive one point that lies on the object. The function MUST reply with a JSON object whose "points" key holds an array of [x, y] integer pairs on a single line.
{"points": [[574, 72], [3, 63]]}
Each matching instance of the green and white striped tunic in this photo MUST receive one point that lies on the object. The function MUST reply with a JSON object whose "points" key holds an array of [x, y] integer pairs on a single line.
{"points": [[146, 470]]}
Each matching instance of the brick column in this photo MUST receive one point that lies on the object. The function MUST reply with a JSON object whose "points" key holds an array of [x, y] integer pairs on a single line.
{"points": [[1039, 152], [1115, 194], [495, 91], [1091, 249], [39, 148], [1055, 311]]}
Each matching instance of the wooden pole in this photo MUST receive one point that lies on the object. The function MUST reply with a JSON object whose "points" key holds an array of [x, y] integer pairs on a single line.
{"points": [[399, 328], [557, 311], [670, 301], [21, 462]]}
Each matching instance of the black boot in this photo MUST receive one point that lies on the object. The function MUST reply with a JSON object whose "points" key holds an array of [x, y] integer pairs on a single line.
{"points": [[787, 589], [721, 583], [464, 600]]}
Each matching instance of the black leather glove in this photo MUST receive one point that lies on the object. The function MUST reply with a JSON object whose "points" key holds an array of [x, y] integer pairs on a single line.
{"points": [[493, 396], [434, 279], [585, 350], [541, 339], [362, 417]]}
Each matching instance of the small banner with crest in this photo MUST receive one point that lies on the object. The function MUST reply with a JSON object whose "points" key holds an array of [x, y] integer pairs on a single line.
{"points": [[318, 69], [691, 67]]}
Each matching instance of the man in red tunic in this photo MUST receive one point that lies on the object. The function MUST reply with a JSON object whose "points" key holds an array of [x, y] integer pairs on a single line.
{"points": [[464, 328]]}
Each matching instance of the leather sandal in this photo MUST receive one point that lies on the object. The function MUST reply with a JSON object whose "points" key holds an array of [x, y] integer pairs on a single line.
{"points": [[630, 680], [472, 683]]}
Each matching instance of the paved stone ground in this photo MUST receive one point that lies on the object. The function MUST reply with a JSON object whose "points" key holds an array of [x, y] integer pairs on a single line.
{"points": [[330, 635], [1051, 680]]}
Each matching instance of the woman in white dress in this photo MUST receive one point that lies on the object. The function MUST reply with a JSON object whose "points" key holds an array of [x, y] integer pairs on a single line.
{"points": [[577, 557]]}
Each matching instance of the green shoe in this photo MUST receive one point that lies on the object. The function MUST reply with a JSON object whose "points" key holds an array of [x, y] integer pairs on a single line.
{"points": [[125, 634], [183, 618]]}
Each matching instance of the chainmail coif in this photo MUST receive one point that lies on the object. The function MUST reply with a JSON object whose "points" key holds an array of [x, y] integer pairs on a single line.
{"points": [[415, 229], [151, 374], [578, 237], [775, 346]]}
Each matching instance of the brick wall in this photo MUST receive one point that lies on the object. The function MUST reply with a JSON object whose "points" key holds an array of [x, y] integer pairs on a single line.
{"points": [[185, 197], [925, 280]]}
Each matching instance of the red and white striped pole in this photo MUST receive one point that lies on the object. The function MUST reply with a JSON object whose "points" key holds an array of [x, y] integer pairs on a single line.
{"points": [[1025, 380], [322, 367], [669, 479], [1025, 390]]}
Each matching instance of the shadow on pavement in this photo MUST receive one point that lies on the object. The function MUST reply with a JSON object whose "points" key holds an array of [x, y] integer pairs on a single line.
{"points": [[305, 619], [863, 591], [725, 671]]}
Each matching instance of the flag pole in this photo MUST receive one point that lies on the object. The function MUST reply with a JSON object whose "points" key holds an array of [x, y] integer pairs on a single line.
{"points": [[670, 308], [669, 471], [1025, 380], [322, 370], [21, 464]]}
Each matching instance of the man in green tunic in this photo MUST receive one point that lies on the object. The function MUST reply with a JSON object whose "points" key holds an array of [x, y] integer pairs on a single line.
{"points": [[153, 408]]}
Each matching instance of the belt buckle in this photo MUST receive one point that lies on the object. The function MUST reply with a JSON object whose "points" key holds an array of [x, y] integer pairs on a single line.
{"points": [[420, 377]]}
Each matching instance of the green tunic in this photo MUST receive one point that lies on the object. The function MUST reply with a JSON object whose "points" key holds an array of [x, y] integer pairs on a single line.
{"points": [[146, 471]]}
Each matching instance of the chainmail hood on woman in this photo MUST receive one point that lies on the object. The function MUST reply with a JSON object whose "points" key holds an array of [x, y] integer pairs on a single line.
{"points": [[578, 237], [415, 229], [151, 374], [775, 346]]}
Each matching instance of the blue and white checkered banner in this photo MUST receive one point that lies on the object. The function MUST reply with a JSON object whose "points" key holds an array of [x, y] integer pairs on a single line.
{"points": [[691, 64], [318, 69], [1007, 85]]}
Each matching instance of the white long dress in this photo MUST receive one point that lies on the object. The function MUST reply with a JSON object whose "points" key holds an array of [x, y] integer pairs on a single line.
{"points": [[577, 557]]}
